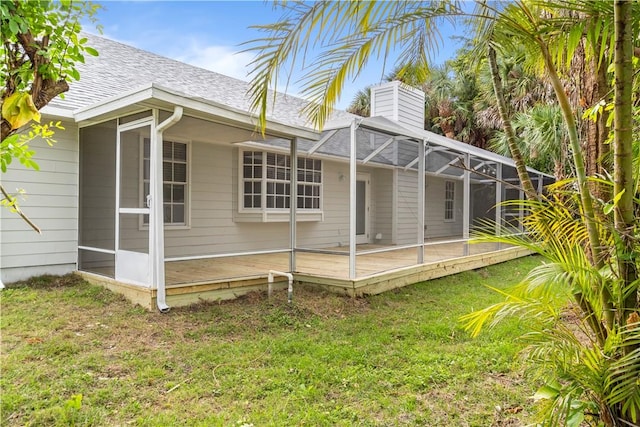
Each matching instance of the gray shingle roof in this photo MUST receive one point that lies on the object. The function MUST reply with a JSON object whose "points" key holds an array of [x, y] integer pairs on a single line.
{"points": [[120, 68]]}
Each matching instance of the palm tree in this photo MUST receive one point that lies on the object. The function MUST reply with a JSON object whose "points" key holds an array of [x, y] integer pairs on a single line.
{"points": [[361, 103], [625, 184], [541, 137], [595, 369], [516, 154], [593, 262]]}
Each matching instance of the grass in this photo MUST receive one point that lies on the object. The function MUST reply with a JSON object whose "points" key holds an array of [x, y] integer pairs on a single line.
{"points": [[76, 354]]}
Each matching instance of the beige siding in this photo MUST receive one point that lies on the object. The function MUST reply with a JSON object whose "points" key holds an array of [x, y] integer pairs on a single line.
{"points": [[51, 203], [436, 226], [217, 228], [382, 209], [407, 208]]}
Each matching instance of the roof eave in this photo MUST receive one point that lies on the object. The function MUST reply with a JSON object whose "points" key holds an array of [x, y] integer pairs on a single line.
{"points": [[57, 113], [155, 96]]}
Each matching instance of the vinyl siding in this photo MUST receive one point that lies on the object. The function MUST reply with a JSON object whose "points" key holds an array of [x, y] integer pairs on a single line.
{"points": [[436, 226], [407, 207], [383, 103], [410, 108], [52, 194], [383, 213], [214, 227], [396, 102]]}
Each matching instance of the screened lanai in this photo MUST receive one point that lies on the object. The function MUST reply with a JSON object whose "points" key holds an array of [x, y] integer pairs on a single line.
{"points": [[396, 197], [373, 198]]}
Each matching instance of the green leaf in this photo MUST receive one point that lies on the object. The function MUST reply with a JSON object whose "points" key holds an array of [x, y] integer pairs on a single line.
{"points": [[618, 196], [608, 208], [575, 417], [13, 26], [546, 392], [91, 51]]}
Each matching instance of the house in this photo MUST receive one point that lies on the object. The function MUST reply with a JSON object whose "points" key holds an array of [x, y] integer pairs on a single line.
{"points": [[161, 188]]}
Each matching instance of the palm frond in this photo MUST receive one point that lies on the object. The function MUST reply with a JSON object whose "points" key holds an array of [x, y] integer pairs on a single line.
{"points": [[623, 377], [348, 35], [409, 30], [513, 306]]}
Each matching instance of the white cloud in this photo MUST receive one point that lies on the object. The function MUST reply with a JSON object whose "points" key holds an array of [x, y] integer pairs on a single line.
{"points": [[225, 60]]}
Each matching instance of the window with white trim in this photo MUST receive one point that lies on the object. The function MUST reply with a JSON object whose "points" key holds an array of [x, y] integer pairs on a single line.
{"points": [[266, 181], [175, 180], [449, 198]]}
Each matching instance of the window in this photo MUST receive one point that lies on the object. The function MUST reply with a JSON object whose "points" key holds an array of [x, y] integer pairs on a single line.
{"points": [[175, 180], [278, 176], [269, 175], [449, 197], [309, 182]]}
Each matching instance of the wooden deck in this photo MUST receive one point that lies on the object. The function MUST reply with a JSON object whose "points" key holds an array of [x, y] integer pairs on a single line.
{"points": [[212, 279], [336, 266], [229, 277]]}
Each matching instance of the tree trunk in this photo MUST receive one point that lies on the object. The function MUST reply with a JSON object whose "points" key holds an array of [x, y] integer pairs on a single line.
{"points": [[586, 199], [591, 88], [594, 88], [623, 154], [447, 118], [578, 160], [521, 168]]}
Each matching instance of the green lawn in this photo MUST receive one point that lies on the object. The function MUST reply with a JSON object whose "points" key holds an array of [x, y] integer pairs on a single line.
{"points": [[399, 358]]}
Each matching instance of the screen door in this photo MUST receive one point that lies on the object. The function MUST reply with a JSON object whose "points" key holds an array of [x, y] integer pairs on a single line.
{"points": [[133, 167]]}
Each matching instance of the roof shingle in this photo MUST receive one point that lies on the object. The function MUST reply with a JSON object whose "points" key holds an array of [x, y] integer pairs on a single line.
{"points": [[119, 68]]}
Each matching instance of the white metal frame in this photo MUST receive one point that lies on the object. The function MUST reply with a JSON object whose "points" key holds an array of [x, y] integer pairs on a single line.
{"points": [[130, 266], [352, 198], [156, 228]]}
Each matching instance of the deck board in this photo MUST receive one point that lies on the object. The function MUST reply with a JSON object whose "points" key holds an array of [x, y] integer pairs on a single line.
{"points": [[309, 263], [212, 279]]}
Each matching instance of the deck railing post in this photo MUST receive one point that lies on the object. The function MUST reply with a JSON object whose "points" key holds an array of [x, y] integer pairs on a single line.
{"points": [[352, 200], [466, 202], [520, 210], [498, 219], [293, 203], [421, 185]]}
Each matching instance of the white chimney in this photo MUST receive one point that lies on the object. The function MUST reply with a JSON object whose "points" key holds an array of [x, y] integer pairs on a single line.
{"points": [[400, 102]]}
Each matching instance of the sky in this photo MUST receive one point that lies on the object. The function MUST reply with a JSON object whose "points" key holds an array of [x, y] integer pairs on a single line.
{"points": [[209, 34]]}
